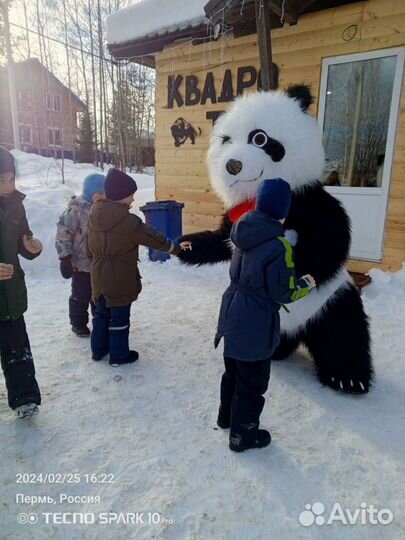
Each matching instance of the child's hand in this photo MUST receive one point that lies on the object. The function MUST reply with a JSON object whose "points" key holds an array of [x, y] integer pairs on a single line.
{"points": [[32, 245], [311, 281], [6, 271], [186, 245]]}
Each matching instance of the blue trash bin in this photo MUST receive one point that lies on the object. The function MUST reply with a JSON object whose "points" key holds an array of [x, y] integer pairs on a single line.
{"points": [[165, 217]]}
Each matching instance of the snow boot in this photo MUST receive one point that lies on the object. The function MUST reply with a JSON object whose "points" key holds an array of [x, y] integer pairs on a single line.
{"points": [[222, 421], [261, 439], [81, 331], [130, 359], [27, 410]]}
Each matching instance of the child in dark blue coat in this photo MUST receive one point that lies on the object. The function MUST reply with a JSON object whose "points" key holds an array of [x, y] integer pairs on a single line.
{"points": [[262, 280]]}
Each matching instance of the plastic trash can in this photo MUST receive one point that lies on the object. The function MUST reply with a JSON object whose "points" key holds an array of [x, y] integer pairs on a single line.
{"points": [[165, 217]]}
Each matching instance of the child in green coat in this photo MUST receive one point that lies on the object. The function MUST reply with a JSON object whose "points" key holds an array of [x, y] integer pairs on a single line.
{"points": [[15, 239]]}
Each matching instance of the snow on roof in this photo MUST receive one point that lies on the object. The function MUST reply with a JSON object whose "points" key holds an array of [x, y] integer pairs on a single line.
{"points": [[154, 17]]}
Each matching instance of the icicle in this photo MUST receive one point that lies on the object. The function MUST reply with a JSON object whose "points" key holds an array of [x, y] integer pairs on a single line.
{"points": [[282, 12], [241, 8], [222, 51]]}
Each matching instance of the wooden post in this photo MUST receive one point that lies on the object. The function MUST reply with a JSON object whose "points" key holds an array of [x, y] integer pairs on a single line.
{"points": [[268, 75]]}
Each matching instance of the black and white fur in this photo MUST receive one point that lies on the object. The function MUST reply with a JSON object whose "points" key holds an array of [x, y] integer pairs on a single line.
{"points": [[270, 135]]}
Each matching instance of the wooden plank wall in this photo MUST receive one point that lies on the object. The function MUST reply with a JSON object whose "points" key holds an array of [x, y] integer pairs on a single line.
{"points": [[298, 50]]}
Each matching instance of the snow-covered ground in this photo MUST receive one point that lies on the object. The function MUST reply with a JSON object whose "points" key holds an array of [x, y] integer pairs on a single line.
{"points": [[149, 427]]}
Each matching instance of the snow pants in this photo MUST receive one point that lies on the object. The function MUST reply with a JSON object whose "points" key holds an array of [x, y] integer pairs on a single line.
{"points": [[242, 387], [80, 299], [110, 330], [17, 364]]}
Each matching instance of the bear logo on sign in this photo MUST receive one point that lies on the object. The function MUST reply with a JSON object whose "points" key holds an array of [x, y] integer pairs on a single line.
{"points": [[183, 130]]}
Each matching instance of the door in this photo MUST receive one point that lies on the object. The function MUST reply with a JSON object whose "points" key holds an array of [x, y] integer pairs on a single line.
{"points": [[358, 113]]}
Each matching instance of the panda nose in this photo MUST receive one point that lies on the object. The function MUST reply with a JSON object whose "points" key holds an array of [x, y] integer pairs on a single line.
{"points": [[234, 166]]}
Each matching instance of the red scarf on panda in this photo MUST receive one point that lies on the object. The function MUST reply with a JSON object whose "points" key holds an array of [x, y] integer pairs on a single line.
{"points": [[239, 210]]}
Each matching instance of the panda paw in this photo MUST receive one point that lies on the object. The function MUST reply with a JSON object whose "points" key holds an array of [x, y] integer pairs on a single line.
{"points": [[349, 386]]}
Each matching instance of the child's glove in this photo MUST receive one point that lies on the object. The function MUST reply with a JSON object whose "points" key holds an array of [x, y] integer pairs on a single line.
{"points": [[66, 268]]}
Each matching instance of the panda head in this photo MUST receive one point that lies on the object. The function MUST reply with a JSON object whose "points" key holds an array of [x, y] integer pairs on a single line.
{"points": [[265, 135]]}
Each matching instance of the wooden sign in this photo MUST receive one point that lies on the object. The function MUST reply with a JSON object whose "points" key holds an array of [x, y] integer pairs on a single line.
{"points": [[190, 91]]}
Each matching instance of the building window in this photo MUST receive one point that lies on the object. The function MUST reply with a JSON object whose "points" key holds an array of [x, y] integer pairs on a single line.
{"points": [[25, 134], [54, 137], [57, 103], [356, 107], [53, 102], [25, 99], [49, 101]]}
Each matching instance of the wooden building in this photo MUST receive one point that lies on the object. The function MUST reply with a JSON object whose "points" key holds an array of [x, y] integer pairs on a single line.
{"points": [[351, 49], [47, 111]]}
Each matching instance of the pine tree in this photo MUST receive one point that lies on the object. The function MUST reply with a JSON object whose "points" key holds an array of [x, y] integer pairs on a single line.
{"points": [[85, 140]]}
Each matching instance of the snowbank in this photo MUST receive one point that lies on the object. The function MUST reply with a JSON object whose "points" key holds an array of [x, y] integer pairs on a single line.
{"points": [[40, 178], [150, 17]]}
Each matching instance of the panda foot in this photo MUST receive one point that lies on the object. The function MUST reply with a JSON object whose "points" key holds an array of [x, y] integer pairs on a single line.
{"points": [[349, 386]]}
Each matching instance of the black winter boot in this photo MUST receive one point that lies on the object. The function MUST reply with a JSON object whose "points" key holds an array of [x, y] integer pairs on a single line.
{"points": [[238, 444], [223, 421], [81, 331], [130, 359]]}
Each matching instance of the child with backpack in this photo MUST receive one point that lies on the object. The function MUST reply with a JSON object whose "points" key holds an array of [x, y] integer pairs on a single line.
{"points": [[262, 280]]}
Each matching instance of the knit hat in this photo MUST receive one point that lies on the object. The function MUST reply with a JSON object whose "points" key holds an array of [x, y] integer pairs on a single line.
{"points": [[274, 198], [7, 164], [93, 183], [118, 185]]}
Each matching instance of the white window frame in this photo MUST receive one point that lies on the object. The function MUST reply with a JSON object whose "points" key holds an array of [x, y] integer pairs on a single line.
{"points": [[53, 144], [393, 120], [399, 52], [60, 102], [30, 128], [61, 137], [50, 101]]}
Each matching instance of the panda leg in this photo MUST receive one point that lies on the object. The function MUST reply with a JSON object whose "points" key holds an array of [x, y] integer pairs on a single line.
{"points": [[288, 344], [339, 342]]}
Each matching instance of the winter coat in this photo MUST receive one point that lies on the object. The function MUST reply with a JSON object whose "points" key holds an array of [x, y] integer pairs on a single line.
{"points": [[113, 240], [13, 227], [262, 279], [71, 232]]}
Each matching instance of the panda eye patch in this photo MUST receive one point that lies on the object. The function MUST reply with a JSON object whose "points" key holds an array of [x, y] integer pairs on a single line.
{"points": [[272, 147], [225, 139], [260, 139]]}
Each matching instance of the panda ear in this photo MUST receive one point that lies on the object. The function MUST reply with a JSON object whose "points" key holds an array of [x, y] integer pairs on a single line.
{"points": [[302, 94]]}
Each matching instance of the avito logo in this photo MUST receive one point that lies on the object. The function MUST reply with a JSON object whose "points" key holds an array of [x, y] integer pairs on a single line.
{"points": [[365, 515]]}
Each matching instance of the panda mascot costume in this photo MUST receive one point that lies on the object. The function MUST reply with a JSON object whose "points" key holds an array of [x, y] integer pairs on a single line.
{"points": [[271, 135]]}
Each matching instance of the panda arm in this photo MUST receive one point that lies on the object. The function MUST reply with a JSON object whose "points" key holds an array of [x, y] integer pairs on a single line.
{"points": [[208, 247], [323, 229]]}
